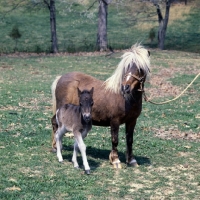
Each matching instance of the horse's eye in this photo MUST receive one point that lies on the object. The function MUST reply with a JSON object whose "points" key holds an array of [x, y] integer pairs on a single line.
{"points": [[92, 103]]}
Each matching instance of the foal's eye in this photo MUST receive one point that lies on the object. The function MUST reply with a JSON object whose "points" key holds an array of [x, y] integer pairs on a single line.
{"points": [[92, 103]]}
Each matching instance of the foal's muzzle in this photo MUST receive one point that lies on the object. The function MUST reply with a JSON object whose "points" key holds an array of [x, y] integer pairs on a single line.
{"points": [[87, 117]]}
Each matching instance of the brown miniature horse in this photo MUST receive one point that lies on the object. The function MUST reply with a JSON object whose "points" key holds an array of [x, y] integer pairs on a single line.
{"points": [[118, 100]]}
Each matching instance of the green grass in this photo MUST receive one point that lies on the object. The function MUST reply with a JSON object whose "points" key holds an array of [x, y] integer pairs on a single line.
{"points": [[186, 38], [168, 163], [77, 32]]}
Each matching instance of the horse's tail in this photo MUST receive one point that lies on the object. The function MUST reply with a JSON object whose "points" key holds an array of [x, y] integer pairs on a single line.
{"points": [[53, 89], [54, 125]]}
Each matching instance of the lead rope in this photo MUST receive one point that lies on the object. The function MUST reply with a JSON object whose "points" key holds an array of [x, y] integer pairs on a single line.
{"points": [[160, 103]]}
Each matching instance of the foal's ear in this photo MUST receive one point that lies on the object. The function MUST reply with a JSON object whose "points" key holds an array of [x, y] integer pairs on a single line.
{"points": [[79, 92], [92, 90]]}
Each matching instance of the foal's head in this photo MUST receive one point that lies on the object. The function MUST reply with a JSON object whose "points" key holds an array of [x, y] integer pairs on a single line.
{"points": [[86, 103]]}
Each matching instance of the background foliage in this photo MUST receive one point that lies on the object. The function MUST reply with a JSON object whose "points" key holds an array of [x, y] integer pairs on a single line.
{"points": [[77, 27]]}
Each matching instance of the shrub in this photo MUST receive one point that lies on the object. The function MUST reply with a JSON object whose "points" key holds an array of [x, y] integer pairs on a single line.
{"points": [[15, 35]]}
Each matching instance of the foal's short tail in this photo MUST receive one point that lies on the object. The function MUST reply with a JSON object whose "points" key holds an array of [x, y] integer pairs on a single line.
{"points": [[53, 89]]}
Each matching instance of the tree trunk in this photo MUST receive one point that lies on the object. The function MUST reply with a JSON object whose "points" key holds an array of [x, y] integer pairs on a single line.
{"points": [[102, 26], [185, 2], [162, 24], [54, 46], [160, 21], [15, 49]]}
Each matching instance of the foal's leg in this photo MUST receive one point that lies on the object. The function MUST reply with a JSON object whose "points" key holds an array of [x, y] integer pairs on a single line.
{"points": [[113, 157], [82, 148], [129, 143], [74, 157], [58, 137]]}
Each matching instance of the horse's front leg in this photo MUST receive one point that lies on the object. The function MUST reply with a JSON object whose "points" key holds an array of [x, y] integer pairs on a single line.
{"points": [[113, 157], [129, 143]]}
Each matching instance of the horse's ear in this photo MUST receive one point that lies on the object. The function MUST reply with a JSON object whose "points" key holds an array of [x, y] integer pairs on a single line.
{"points": [[92, 90], [79, 92], [149, 53]]}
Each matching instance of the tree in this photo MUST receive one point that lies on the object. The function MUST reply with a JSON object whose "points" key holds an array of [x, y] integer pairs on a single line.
{"points": [[163, 22], [15, 35], [52, 10], [102, 25], [35, 5]]}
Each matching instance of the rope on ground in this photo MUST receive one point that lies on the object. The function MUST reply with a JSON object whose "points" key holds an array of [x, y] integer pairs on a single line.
{"points": [[160, 103]]}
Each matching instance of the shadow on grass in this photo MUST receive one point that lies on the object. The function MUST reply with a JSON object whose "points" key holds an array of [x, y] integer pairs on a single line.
{"points": [[101, 154]]}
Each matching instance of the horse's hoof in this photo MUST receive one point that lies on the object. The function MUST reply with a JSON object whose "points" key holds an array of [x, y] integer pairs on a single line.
{"points": [[87, 172], [133, 163], [117, 165], [77, 167]]}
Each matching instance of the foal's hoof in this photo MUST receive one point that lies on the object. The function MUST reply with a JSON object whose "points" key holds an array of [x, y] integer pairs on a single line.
{"points": [[53, 150], [87, 172], [77, 167]]}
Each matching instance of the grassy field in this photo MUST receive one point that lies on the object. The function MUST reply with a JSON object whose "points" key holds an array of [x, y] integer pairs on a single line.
{"points": [[166, 140], [77, 30]]}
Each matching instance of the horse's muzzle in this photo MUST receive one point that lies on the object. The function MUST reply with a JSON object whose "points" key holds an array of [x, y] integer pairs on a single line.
{"points": [[126, 89]]}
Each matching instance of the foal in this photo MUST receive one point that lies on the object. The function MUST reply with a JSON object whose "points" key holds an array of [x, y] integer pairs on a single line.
{"points": [[78, 120]]}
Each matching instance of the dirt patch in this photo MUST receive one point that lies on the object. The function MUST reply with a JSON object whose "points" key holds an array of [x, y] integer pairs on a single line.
{"points": [[6, 67], [174, 133], [29, 172], [25, 55], [161, 86]]}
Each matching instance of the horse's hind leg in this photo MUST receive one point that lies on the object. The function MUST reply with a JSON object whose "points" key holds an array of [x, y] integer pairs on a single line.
{"points": [[82, 149], [129, 143], [54, 127], [113, 157]]}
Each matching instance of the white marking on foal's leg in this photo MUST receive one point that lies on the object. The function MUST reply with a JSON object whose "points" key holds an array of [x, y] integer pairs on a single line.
{"points": [[58, 145], [58, 139], [82, 148], [74, 157]]}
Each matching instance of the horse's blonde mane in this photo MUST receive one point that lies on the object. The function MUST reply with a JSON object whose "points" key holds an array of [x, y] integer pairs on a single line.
{"points": [[138, 55]]}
